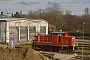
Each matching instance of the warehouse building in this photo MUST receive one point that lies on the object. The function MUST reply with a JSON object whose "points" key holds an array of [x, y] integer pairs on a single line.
{"points": [[21, 29]]}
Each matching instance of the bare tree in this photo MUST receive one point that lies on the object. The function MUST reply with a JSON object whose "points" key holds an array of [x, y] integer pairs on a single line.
{"points": [[68, 12], [86, 11], [54, 14]]}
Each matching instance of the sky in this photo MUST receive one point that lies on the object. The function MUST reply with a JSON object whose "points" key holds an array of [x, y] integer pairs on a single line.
{"points": [[76, 6]]}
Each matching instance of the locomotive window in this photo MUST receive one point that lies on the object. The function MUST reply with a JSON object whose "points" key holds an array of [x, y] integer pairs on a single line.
{"points": [[54, 35], [36, 38], [59, 38]]}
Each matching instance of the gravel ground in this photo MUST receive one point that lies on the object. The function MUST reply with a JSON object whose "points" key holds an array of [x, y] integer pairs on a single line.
{"points": [[1, 45], [59, 56]]}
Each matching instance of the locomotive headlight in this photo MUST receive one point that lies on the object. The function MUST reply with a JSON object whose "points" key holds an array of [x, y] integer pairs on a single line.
{"points": [[73, 38]]}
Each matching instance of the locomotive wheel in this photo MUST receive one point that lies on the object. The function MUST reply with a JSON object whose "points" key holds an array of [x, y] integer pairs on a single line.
{"points": [[64, 50], [60, 51]]}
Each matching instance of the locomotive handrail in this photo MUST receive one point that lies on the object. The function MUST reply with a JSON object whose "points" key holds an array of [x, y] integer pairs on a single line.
{"points": [[64, 44], [46, 39]]}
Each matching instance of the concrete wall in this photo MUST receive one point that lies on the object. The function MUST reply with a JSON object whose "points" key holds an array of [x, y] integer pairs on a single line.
{"points": [[24, 24]]}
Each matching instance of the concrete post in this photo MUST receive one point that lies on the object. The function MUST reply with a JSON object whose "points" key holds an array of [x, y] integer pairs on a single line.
{"points": [[7, 32], [36, 28], [46, 28], [28, 33], [19, 34]]}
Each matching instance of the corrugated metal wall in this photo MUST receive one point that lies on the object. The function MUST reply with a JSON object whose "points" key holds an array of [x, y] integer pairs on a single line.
{"points": [[32, 32], [13, 34], [23, 34], [2, 31], [42, 30]]}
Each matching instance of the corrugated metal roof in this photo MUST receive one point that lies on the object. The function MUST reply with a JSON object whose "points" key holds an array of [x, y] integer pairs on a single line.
{"points": [[15, 19], [3, 16], [38, 20], [58, 32], [11, 19]]}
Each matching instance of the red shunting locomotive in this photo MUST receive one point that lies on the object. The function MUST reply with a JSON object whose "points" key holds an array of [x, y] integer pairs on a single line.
{"points": [[54, 41]]}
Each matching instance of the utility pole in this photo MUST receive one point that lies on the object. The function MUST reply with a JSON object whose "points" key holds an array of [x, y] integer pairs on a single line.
{"points": [[83, 40]]}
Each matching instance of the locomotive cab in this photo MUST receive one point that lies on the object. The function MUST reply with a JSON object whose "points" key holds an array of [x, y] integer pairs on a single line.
{"points": [[57, 37], [62, 39]]}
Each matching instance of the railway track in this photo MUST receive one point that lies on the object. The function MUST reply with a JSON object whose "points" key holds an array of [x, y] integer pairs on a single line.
{"points": [[58, 56]]}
